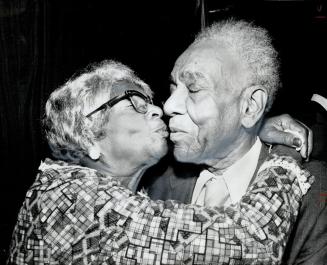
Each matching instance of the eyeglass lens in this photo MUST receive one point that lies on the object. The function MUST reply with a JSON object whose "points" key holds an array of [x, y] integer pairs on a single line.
{"points": [[139, 104]]}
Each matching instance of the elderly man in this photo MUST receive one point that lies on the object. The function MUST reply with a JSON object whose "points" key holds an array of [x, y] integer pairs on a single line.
{"points": [[222, 86]]}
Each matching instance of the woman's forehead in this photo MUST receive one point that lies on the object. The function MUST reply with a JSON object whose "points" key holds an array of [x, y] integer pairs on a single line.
{"points": [[118, 88]]}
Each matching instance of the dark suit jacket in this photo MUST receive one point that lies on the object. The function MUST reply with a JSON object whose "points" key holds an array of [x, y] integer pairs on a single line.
{"points": [[315, 116], [307, 244]]}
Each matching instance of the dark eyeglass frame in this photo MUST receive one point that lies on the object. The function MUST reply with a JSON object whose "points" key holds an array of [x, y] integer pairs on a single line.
{"points": [[126, 95]]}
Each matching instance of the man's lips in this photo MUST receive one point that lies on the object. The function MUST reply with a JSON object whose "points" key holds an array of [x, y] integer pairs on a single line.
{"points": [[174, 129], [176, 133]]}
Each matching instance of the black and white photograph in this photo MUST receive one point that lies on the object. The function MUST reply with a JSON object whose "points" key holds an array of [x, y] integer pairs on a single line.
{"points": [[163, 132]]}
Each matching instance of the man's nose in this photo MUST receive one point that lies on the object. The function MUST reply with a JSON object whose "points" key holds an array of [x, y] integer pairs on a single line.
{"points": [[154, 111], [175, 104]]}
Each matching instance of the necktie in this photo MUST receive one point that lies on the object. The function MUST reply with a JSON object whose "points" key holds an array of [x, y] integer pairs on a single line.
{"points": [[216, 192], [213, 193]]}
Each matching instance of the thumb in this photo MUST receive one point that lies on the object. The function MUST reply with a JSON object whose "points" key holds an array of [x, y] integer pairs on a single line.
{"points": [[273, 135], [288, 139], [294, 139]]}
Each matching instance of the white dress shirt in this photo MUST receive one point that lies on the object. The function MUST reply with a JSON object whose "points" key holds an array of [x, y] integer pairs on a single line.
{"points": [[236, 178]]}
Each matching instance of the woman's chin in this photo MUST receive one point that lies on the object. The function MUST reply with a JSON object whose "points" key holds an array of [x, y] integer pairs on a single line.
{"points": [[159, 151]]}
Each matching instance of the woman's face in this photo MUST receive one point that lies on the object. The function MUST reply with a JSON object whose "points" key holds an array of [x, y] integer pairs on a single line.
{"points": [[134, 137]]}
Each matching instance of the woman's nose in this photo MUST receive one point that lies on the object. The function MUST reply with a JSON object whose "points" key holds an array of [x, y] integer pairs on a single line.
{"points": [[154, 111]]}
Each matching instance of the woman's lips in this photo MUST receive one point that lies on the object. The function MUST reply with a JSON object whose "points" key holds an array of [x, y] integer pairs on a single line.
{"points": [[162, 131]]}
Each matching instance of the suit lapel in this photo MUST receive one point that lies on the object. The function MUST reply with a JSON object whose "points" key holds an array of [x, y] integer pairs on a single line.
{"points": [[183, 180], [280, 150]]}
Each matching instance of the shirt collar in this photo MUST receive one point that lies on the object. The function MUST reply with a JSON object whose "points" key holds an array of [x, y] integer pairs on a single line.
{"points": [[238, 176]]}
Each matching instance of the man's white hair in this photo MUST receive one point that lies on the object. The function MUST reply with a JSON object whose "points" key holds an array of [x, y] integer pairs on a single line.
{"points": [[69, 133], [253, 45]]}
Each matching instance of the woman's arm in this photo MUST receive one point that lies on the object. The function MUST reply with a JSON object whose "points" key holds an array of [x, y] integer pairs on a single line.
{"points": [[255, 231], [78, 215]]}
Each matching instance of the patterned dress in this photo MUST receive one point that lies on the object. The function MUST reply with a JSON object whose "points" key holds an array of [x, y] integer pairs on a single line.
{"points": [[76, 215]]}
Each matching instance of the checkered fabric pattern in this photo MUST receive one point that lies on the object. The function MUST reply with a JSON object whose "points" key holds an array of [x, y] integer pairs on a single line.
{"points": [[75, 215]]}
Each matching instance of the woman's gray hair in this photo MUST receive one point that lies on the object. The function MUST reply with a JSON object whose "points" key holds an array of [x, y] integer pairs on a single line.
{"points": [[253, 45], [68, 132]]}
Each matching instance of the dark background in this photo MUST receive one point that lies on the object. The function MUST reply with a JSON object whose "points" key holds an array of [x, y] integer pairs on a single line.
{"points": [[43, 42]]}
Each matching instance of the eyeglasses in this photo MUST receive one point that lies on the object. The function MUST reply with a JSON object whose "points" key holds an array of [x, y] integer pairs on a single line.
{"points": [[139, 102]]}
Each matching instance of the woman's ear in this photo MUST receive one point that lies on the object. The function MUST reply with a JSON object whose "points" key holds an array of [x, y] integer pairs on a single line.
{"points": [[94, 152], [253, 106]]}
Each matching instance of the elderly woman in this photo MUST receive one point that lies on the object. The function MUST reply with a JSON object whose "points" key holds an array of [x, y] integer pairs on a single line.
{"points": [[105, 132]]}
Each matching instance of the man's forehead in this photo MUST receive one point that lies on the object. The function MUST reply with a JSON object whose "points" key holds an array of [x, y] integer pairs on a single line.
{"points": [[194, 64], [203, 59]]}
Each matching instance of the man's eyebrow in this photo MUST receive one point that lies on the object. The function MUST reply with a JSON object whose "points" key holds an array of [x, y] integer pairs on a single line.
{"points": [[191, 77]]}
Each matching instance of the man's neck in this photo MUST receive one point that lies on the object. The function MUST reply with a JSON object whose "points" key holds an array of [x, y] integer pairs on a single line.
{"points": [[237, 151]]}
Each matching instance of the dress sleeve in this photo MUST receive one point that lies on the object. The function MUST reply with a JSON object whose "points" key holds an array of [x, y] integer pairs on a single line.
{"points": [[254, 231], [83, 222]]}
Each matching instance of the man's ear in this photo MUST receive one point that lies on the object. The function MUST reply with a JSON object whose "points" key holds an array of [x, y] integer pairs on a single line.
{"points": [[254, 100], [94, 151]]}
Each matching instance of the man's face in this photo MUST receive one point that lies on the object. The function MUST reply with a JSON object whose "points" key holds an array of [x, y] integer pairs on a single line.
{"points": [[203, 106]]}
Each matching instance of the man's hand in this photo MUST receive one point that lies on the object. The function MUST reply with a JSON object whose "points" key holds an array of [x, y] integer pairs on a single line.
{"points": [[285, 130]]}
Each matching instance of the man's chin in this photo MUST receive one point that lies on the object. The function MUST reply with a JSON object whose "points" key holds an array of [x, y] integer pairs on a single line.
{"points": [[181, 155]]}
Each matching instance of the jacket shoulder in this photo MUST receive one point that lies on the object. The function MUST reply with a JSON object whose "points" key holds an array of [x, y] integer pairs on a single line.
{"points": [[171, 180], [308, 241]]}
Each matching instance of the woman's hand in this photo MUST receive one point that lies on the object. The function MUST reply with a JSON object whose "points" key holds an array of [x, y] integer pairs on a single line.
{"points": [[283, 129]]}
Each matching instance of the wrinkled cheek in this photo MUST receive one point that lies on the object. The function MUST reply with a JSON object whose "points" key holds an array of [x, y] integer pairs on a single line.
{"points": [[199, 125], [190, 143], [202, 140], [189, 152], [210, 132], [195, 138], [201, 137], [132, 132]]}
